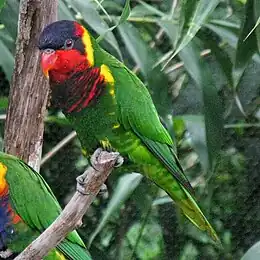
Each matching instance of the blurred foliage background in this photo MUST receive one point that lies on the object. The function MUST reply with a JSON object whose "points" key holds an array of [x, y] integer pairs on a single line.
{"points": [[200, 60]]}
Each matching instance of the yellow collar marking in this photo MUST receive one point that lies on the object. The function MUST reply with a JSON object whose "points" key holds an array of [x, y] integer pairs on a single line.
{"points": [[3, 183], [106, 73], [88, 46]]}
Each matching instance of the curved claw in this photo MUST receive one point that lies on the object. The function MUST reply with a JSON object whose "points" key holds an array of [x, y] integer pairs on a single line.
{"points": [[94, 157], [103, 189], [119, 161]]}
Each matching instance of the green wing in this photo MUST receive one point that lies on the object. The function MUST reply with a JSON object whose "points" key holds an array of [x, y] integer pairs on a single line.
{"points": [[137, 112], [27, 187]]}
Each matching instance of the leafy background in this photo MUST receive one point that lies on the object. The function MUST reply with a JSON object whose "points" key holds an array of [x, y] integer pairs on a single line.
{"points": [[200, 60]]}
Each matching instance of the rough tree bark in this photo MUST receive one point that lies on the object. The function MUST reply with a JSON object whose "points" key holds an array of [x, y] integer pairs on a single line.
{"points": [[29, 89]]}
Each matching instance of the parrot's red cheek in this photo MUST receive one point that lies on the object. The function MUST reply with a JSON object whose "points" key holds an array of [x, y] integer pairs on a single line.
{"points": [[60, 65], [48, 60]]}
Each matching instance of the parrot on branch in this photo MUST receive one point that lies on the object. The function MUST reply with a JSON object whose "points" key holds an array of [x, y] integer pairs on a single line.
{"points": [[27, 208], [109, 106]]}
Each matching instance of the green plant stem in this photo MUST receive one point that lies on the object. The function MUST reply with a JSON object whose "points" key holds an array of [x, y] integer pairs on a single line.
{"points": [[134, 19], [141, 229], [242, 125]]}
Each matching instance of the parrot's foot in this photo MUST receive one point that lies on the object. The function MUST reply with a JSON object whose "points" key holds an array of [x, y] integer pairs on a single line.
{"points": [[81, 184], [103, 189], [119, 161], [5, 254], [94, 158], [81, 188]]}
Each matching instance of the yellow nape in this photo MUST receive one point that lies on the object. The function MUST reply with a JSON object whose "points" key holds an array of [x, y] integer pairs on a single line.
{"points": [[116, 126], [84, 152], [3, 183], [105, 144], [106, 73], [88, 46]]}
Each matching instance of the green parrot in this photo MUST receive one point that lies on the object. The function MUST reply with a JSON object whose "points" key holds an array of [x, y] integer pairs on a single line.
{"points": [[27, 208], [109, 106]]}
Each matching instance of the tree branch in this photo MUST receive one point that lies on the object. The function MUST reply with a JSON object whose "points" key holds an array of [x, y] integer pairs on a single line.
{"points": [[58, 146], [29, 89], [88, 186]]}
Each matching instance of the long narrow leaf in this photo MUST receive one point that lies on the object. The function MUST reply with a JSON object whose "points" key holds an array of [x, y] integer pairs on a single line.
{"points": [[64, 12], [93, 19], [6, 61], [201, 12], [195, 125], [257, 21], [145, 58], [213, 110], [246, 47], [221, 56], [2, 3], [125, 14], [126, 185], [252, 253]]}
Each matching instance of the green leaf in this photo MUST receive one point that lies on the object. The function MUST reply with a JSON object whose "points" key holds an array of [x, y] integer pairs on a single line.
{"points": [[221, 56], [2, 3], [171, 29], [62, 121], [103, 9], [64, 12], [9, 17], [257, 21], [145, 58], [213, 108], [196, 15], [125, 14], [152, 9], [142, 11], [226, 30], [125, 186], [3, 102], [6, 61], [195, 125], [91, 16], [136, 47], [252, 253], [246, 47]]}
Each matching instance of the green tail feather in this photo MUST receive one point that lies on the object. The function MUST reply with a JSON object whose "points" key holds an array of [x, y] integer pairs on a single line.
{"points": [[192, 211], [73, 251]]}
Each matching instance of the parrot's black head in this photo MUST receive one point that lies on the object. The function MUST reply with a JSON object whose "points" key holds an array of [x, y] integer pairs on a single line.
{"points": [[55, 35], [64, 45]]}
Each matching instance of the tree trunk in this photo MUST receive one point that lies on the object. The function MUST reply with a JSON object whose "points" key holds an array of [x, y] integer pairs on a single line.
{"points": [[29, 89]]}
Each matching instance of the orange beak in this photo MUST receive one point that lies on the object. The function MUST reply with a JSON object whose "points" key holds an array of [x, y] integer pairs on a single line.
{"points": [[48, 59]]}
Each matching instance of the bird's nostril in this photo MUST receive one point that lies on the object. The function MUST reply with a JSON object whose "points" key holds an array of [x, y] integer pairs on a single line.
{"points": [[48, 51]]}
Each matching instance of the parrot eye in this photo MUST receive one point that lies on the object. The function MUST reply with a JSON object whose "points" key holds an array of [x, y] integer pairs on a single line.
{"points": [[68, 44]]}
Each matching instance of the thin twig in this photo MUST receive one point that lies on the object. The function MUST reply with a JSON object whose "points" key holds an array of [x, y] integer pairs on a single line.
{"points": [[88, 186], [133, 19], [58, 146], [178, 65]]}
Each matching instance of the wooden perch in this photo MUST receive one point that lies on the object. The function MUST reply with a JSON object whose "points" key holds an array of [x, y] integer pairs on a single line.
{"points": [[29, 89], [88, 186]]}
